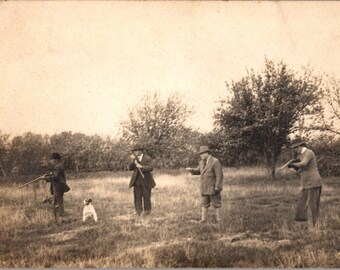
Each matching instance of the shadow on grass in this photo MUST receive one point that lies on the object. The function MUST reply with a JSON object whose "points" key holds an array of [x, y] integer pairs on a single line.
{"points": [[212, 255]]}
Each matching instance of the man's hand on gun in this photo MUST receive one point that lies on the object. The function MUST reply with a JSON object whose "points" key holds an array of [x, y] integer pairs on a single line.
{"points": [[292, 166], [47, 176], [139, 166], [134, 158]]}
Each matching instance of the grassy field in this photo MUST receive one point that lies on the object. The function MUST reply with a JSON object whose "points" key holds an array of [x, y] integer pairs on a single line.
{"points": [[257, 229]]}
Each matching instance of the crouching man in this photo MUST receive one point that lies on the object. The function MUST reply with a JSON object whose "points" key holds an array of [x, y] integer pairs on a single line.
{"points": [[211, 173]]}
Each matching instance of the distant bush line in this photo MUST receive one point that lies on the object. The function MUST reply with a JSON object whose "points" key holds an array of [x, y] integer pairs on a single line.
{"points": [[29, 154]]}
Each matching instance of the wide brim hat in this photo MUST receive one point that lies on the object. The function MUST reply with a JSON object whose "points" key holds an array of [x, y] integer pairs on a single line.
{"points": [[137, 147], [203, 149], [297, 142]]}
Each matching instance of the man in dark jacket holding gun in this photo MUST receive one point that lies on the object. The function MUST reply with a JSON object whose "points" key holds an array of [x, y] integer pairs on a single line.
{"points": [[142, 180], [58, 183]]}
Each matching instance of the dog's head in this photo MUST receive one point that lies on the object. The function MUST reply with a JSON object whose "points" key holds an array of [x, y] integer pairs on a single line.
{"points": [[87, 201]]}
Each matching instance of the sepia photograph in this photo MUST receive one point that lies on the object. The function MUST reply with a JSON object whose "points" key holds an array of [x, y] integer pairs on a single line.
{"points": [[169, 134]]}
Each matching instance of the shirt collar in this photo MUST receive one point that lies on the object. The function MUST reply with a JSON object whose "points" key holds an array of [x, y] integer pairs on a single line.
{"points": [[303, 150]]}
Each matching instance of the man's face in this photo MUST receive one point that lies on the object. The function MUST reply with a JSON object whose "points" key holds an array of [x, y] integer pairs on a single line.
{"points": [[53, 162], [297, 150], [204, 155], [137, 152]]}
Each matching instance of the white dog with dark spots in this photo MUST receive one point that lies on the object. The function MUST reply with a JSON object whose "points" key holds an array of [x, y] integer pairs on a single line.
{"points": [[89, 211]]}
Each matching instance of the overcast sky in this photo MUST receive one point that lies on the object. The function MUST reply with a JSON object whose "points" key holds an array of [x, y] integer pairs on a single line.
{"points": [[79, 66]]}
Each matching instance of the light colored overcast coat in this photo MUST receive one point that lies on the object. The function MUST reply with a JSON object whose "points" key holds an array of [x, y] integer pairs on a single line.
{"points": [[310, 177]]}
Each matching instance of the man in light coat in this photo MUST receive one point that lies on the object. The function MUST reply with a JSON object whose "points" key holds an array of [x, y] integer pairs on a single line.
{"points": [[211, 173], [310, 181], [142, 180]]}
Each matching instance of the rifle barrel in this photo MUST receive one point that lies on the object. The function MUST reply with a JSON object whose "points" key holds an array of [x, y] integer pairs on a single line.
{"points": [[34, 180], [285, 165]]}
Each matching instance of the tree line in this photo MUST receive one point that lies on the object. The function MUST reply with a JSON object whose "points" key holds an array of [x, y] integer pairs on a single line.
{"points": [[253, 126], [30, 153]]}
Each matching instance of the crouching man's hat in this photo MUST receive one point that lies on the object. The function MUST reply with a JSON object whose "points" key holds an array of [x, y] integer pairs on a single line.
{"points": [[203, 149], [137, 147], [297, 142]]}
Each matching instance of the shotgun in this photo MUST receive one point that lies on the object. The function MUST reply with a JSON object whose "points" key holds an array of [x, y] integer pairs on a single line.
{"points": [[35, 180], [289, 162], [293, 161], [140, 171]]}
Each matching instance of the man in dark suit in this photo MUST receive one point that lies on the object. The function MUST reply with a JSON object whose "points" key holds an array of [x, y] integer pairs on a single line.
{"points": [[211, 173], [142, 180], [58, 183]]}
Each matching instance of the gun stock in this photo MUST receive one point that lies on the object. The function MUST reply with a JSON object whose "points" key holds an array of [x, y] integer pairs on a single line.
{"points": [[140, 171]]}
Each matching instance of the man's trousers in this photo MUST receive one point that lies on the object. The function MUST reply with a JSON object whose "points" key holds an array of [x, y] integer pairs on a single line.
{"points": [[142, 197], [310, 198]]}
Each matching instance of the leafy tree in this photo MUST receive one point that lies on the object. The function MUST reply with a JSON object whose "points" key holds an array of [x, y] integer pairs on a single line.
{"points": [[70, 146], [80, 151], [327, 151], [159, 126], [88, 153], [4, 150], [92, 152], [118, 155], [28, 153], [264, 108], [229, 152], [331, 118]]}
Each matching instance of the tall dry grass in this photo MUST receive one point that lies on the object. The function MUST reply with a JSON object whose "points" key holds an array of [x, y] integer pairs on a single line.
{"points": [[257, 229]]}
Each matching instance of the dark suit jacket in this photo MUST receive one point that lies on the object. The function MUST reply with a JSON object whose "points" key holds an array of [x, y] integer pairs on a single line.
{"points": [[58, 179], [146, 170]]}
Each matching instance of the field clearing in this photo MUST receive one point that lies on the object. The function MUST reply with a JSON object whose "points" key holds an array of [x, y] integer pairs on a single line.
{"points": [[257, 229]]}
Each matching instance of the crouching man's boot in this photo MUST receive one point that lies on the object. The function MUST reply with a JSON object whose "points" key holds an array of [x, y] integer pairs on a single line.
{"points": [[204, 215]]}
